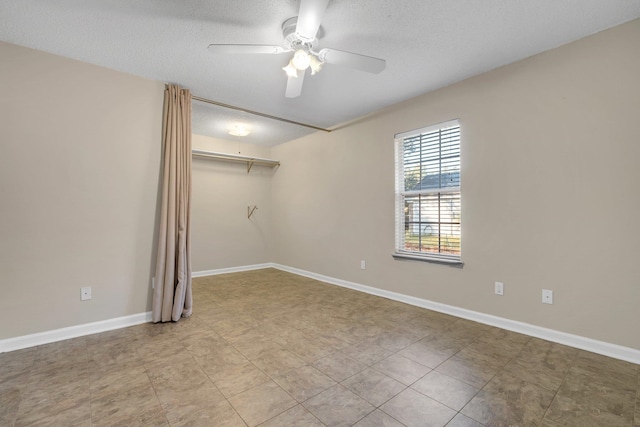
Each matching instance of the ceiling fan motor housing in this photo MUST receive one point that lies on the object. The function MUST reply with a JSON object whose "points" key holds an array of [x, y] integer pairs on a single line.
{"points": [[294, 41]]}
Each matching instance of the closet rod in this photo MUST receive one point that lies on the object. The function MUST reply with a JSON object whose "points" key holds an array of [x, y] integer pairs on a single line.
{"points": [[235, 158], [268, 116]]}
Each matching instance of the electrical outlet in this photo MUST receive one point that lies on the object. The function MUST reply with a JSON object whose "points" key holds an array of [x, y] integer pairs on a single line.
{"points": [[85, 293], [363, 265], [499, 288], [547, 296]]}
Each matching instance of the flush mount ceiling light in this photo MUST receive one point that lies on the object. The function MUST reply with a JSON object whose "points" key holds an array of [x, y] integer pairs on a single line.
{"points": [[239, 129]]}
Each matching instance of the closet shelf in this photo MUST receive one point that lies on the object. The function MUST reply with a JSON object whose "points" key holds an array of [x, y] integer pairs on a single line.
{"points": [[250, 161]]}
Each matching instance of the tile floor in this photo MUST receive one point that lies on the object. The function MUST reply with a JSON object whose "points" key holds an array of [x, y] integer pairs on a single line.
{"points": [[273, 349]]}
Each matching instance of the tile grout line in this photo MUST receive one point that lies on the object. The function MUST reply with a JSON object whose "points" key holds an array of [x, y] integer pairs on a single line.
{"points": [[258, 385], [477, 340], [564, 377], [86, 343], [213, 382], [22, 392]]}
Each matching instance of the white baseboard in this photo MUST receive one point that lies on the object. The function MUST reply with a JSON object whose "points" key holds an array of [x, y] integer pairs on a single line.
{"points": [[607, 349], [47, 337], [32, 340], [588, 344], [231, 270]]}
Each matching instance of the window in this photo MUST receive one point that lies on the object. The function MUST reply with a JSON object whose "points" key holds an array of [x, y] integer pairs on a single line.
{"points": [[428, 193]]}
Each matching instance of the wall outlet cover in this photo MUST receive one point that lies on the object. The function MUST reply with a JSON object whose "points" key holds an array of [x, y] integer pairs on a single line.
{"points": [[85, 293], [499, 288]]}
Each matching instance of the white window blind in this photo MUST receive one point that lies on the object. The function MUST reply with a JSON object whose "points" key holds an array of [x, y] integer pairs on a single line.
{"points": [[428, 193]]}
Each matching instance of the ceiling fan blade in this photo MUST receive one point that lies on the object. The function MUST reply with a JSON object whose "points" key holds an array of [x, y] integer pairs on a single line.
{"points": [[353, 60], [245, 48], [309, 18], [294, 85]]}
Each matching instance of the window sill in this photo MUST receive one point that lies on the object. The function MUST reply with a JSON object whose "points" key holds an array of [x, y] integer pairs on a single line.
{"points": [[435, 260]]}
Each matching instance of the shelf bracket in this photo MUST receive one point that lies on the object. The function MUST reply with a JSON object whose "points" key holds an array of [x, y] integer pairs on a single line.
{"points": [[250, 210], [249, 165]]}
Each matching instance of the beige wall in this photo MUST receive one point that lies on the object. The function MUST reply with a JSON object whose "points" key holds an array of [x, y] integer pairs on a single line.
{"points": [[550, 199], [550, 179], [222, 235], [79, 172], [78, 194]]}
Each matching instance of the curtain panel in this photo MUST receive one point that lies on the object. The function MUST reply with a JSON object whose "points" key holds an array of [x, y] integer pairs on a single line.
{"points": [[172, 296]]}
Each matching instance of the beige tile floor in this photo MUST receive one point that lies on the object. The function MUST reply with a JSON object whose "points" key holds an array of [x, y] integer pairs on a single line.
{"points": [[273, 349]]}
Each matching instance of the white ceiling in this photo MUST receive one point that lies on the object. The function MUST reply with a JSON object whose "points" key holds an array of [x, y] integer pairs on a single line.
{"points": [[428, 44]]}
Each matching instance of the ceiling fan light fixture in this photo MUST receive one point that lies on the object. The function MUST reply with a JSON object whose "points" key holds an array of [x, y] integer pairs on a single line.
{"points": [[239, 129], [301, 60], [290, 69], [315, 64], [301, 34]]}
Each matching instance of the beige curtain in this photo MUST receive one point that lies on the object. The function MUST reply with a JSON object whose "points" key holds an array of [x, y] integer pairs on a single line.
{"points": [[172, 297]]}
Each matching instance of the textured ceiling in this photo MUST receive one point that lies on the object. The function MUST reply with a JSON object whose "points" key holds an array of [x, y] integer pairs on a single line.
{"points": [[428, 44]]}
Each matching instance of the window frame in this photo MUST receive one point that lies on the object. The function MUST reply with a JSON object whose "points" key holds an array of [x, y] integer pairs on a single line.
{"points": [[400, 194]]}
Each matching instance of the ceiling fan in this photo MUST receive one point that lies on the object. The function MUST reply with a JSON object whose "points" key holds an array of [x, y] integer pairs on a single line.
{"points": [[300, 36]]}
